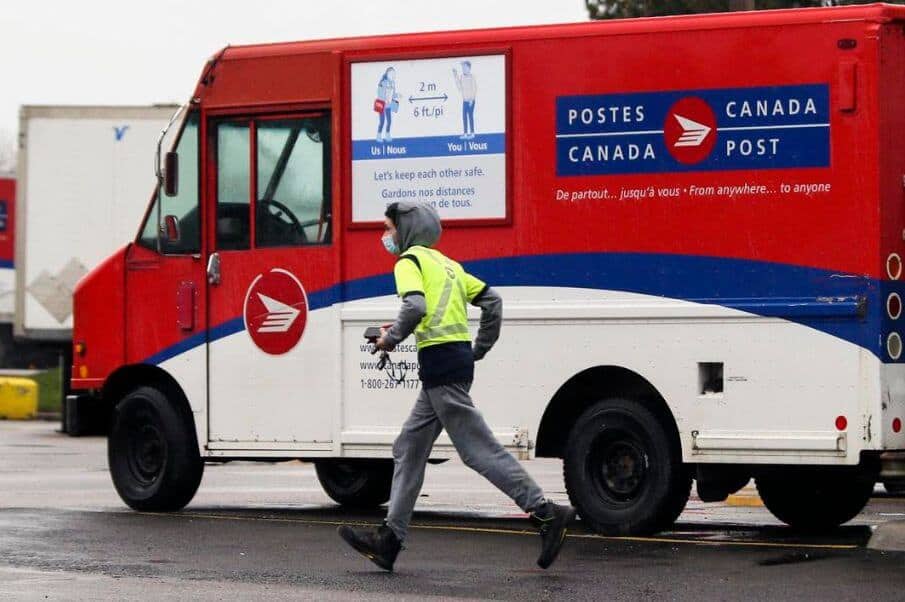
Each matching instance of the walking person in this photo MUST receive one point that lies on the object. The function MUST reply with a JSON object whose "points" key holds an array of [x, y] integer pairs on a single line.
{"points": [[434, 291]]}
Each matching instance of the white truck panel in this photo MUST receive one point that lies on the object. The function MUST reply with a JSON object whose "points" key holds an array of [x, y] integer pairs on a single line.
{"points": [[778, 405], [86, 175], [7, 293]]}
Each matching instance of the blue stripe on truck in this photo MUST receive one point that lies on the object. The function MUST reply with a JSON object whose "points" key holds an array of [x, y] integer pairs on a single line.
{"points": [[843, 305]]}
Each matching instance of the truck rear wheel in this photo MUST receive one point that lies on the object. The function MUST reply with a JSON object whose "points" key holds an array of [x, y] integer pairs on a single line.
{"points": [[152, 453], [896, 488], [623, 469], [816, 500], [356, 483]]}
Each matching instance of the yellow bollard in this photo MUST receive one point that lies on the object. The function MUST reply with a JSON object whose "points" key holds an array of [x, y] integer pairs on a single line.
{"points": [[18, 398]]}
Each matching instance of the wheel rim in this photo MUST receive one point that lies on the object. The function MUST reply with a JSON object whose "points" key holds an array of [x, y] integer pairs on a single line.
{"points": [[618, 465], [147, 449], [348, 475]]}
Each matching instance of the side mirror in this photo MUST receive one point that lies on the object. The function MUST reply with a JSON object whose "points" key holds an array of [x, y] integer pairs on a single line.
{"points": [[171, 174], [171, 229]]}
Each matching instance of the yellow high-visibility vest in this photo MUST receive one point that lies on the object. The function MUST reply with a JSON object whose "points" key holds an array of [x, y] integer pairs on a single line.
{"points": [[447, 289]]}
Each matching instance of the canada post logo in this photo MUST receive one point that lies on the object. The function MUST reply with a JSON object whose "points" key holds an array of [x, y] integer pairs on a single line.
{"points": [[689, 130], [695, 130], [276, 311]]}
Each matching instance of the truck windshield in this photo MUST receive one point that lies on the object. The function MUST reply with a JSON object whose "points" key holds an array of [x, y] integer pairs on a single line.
{"points": [[181, 210]]}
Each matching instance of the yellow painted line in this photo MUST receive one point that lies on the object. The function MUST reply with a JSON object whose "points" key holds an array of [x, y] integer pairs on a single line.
{"points": [[504, 531], [746, 501]]}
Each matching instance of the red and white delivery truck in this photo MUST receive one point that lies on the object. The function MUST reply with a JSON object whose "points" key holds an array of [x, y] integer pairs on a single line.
{"points": [[696, 224]]}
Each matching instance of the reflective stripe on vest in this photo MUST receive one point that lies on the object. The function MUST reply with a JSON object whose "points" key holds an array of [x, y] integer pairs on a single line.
{"points": [[440, 311], [429, 331]]}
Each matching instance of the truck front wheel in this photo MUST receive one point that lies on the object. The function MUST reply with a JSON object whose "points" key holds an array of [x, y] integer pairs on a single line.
{"points": [[152, 453], [815, 500], [624, 471], [356, 483]]}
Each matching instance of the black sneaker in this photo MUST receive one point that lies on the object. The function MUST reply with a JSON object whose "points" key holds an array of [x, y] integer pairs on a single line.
{"points": [[553, 532], [380, 546]]}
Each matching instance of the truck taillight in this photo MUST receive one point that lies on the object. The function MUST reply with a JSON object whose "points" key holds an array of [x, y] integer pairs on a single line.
{"points": [[894, 306], [894, 266]]}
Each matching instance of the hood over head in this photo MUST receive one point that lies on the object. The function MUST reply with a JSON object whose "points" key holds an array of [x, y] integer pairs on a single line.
{"points": [[416, 224]]}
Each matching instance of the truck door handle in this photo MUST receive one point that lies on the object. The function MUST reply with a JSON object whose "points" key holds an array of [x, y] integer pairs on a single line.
{"points": [[213, 269]]}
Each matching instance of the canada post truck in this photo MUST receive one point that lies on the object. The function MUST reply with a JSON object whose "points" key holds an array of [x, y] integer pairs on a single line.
{"points": [[696, 223]]}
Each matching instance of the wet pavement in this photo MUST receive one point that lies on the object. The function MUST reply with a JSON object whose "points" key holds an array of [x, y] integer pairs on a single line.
{"points": [[257, 530]]}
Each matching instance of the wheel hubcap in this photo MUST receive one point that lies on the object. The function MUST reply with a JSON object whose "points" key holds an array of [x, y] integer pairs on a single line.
{"points": [[618, 465], [147, 451]]}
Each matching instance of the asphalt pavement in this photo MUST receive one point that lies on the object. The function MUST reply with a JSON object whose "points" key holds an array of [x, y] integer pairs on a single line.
{"points": [[267, 530]]}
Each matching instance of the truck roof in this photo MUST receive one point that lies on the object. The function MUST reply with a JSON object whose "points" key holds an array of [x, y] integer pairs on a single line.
{"points": [[876, 13], [256, 74], [96, 111]]}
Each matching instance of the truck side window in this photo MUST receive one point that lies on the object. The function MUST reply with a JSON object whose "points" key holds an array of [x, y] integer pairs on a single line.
{"points": [[233, 186], [293, 179], [184, 206]]}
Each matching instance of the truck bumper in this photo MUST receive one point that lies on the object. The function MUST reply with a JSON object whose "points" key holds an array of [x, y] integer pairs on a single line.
{"points": [[85, 415]]}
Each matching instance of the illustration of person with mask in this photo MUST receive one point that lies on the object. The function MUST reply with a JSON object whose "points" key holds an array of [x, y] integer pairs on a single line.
{"points": [[386, 91], [435, 293], [468, 88]]}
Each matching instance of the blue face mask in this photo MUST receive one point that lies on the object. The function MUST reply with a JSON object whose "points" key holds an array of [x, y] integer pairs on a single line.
{"points": [[389, 244]]}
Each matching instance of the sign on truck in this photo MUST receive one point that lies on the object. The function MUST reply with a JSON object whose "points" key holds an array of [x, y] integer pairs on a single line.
{"points": [[695, 223], [7, 238]]}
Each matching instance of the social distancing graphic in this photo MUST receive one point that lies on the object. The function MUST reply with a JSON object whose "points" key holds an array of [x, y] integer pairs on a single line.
{"points": [[431, 130]]}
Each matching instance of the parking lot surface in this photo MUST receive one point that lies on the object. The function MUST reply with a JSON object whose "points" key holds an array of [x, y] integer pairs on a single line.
{"points": [[267, 529]]}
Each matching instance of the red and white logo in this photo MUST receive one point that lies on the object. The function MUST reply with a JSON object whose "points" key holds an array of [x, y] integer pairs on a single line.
{"points": [[276, 310], [690, 130]]}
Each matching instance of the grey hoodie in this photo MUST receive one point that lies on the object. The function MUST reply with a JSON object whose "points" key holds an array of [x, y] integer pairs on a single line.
{"points": [[417, 224]]}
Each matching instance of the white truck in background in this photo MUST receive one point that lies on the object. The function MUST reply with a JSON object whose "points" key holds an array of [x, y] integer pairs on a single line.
{"points": [[83, 173]]}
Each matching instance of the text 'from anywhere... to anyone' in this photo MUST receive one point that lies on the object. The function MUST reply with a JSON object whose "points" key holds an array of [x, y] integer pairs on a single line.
{"points": [[692, 190]]}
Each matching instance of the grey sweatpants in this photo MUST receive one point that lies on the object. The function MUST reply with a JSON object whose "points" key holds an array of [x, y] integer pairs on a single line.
{"points": [[450, 407]]}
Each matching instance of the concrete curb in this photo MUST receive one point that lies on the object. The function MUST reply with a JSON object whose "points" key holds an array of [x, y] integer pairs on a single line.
{"points": [[889, 537]]}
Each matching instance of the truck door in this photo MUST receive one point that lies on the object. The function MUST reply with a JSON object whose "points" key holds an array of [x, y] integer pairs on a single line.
{"points": [[164, 280], [273, 334]]}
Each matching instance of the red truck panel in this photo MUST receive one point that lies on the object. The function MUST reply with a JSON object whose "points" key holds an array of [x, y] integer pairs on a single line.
{"points": [[809, 228], [7, 221]]}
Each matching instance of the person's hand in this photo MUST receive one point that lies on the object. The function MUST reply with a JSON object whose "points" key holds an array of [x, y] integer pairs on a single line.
{"points": [[382, 343]]}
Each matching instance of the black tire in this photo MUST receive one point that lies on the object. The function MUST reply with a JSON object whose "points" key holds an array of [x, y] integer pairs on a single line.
{"points": [[84, 415], [356, 483], [896, 488], [814, 500], [623, 469], [153, 452], [72, 426]]}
